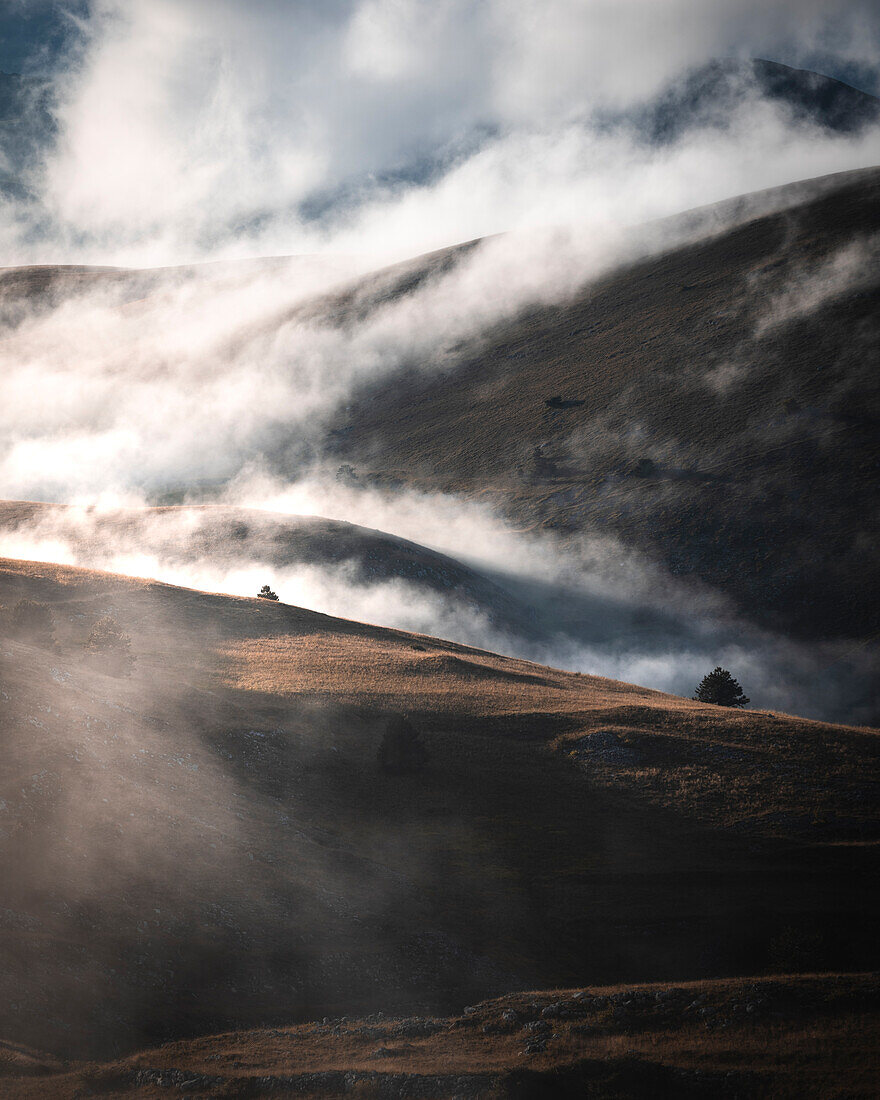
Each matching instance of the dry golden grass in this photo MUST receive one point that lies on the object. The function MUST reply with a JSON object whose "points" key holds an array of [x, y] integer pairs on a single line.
{"points": [[714, 765], [228, 791], [811, 1036]]}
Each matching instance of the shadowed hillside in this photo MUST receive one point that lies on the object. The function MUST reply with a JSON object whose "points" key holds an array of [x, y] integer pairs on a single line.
{"points": [[715, 406], [780, 1037], [710, 96], [208, 842]]}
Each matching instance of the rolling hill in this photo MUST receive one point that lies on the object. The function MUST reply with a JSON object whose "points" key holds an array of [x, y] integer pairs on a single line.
{"points": [[714, 406], [248, 847], [780, 1037], [710, 404], [508, 597], [209, 843], [227, 538]]}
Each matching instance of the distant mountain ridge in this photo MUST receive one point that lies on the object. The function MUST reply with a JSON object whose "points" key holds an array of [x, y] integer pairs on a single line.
{"points": [[709, 96], [704, 98]]}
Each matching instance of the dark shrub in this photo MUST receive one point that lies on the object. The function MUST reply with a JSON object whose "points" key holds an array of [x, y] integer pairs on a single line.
{"points": [[107, 643], [266, 593], [720, 688], [401, 751]]}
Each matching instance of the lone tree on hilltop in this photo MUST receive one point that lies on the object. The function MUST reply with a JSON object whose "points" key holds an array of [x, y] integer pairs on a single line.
{"points": [[266, 593], [720, 688], [401, 751]]}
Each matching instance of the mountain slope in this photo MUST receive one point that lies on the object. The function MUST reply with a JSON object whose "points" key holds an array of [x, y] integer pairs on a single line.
{"points": [[711, 405], [780, 1037], [714, 406], [224, 539], [710, 96], [209, 843]]}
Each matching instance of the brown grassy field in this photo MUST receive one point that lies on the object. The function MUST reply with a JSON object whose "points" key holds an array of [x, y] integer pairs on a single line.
{"points": [[805, 1036], [209, 843]]}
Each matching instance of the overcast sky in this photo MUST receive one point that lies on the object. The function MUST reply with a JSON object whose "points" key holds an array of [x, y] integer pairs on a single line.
{"points": [[187, 124]]}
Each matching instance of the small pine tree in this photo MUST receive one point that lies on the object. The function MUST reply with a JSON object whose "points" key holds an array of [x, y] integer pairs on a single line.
{"points": [[401, 750], [266, 593], [107, 642], [720, 688], [106, 635]]}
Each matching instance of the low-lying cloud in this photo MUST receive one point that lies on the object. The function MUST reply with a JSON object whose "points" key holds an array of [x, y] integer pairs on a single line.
{"points": [[193, 131], [187, 130], [593, 606]]}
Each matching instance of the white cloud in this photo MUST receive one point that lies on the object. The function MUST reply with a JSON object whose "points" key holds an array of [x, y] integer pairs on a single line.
{"points": [[190, 128]]}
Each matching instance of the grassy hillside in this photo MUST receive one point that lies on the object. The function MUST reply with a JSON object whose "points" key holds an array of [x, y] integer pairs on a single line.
{"points": [[209, 843], [780, 1037], [226, 538], [715, 406]]}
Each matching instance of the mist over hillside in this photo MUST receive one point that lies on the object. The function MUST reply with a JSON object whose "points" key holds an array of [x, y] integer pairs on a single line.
{"points": [[438, 557], [672, 436], [145, 133], [715, 402], [208, 841], [710, 96], [596, 608]]}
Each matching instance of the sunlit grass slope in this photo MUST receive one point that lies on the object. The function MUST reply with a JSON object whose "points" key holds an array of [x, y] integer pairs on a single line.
{"points": [[210, 843]]}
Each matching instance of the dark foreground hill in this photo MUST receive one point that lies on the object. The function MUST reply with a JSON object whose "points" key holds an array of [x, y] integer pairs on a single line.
{"points": [[209, 843], [780, 1037]]}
